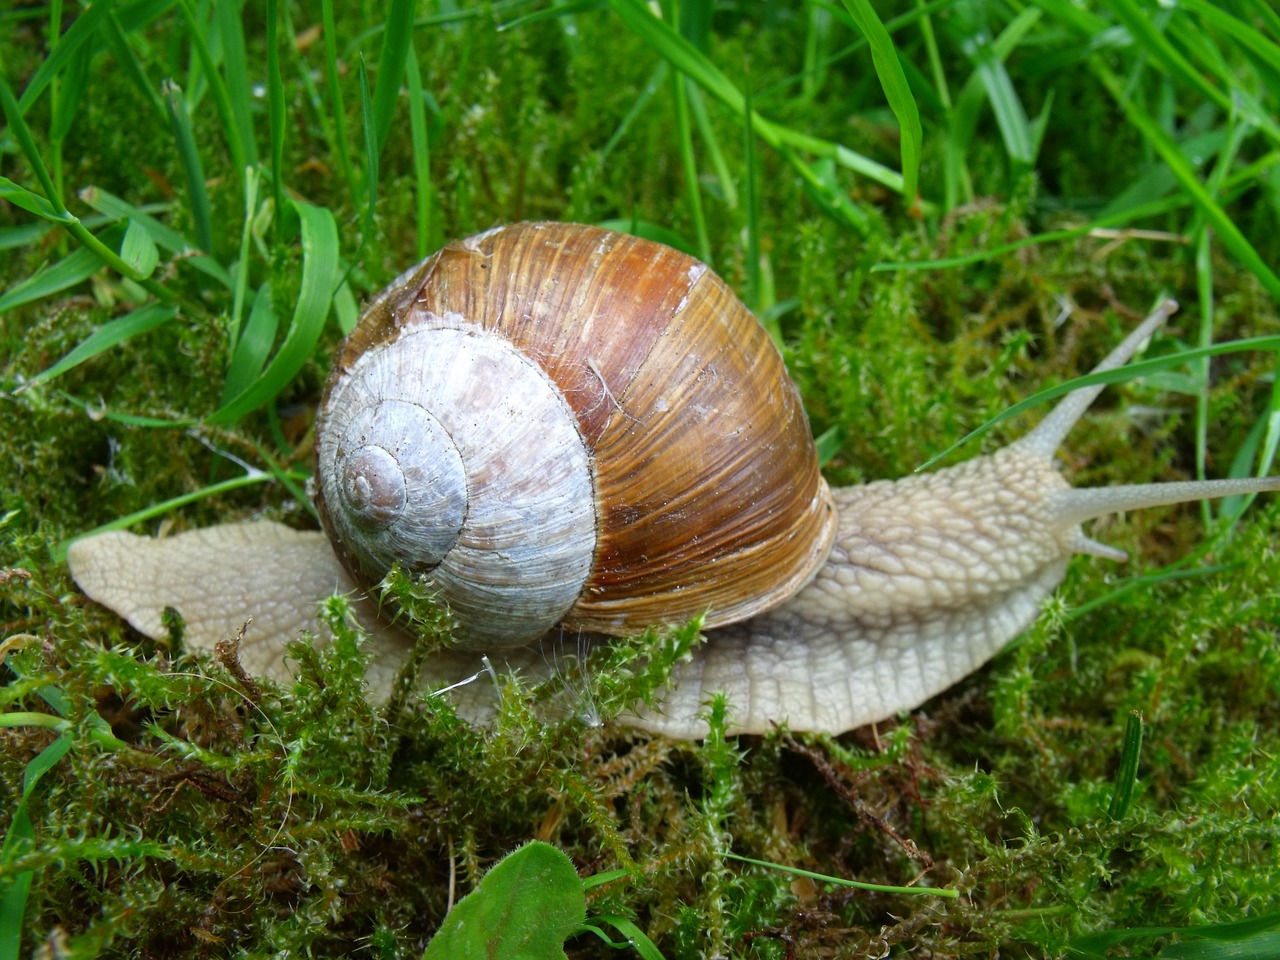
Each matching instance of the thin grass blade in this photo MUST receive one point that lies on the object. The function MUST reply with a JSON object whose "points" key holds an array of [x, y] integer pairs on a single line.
{"points": [[192, 166], [23, 198], [689, 60], [315, 295], [896, 90], [70, 93], [1142, 27], [20, 838], [1127, 774], [110, 334], [84, 28], [139, 251], [235, 66], [167, 238], [253, 347], [337, 113], [242, 153], [128, 60], [425, 195], [276, 113], [19, 130], [396, 38], [1130, 371], [370, 152], [1011, 118], [1163, 144], [76, 267]]}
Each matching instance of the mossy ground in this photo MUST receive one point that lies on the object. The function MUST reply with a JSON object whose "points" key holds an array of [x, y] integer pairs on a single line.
{"points": [[197, 815]]}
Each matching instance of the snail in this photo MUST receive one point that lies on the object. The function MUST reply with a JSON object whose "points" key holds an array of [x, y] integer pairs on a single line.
{"points": [[569, 429]]}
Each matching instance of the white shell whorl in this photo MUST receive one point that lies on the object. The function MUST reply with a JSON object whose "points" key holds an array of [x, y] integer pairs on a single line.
{"points": [[450, 452]]}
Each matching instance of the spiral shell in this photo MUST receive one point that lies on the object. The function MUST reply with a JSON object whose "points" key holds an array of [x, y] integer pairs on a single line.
{"points": [[561, 424]]}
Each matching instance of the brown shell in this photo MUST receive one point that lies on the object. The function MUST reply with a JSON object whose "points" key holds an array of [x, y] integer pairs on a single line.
{"points": [[708, 494]]}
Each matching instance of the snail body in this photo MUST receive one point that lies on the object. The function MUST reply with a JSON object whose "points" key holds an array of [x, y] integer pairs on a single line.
{"points": [[563, 427]]}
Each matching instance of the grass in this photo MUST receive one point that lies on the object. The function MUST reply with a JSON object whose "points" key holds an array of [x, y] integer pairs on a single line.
{"points": [[196, 197]]}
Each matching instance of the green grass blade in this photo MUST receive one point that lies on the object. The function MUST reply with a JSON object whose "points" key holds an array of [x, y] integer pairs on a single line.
{"points": [[856, 884], [33, 203], [252, 347], [689, 164], [128, 60], [639, 105], [1127, 774], [1142, 27], [689, 60], [1265, 14], [110, 334], [74, 81], [85, 27], [889, 69], [14, 238], [251, 180], [1011, 118], [370, 154], [715, 155], [24, 199], [241, 152], [319, 268], [650, 231], [424, 198], [21, 837], [167, 238], [248, 479], [753, 295], [19, 130], [235, 65], [76, 267], [636, 938], [337, 113], [345, 309], [1248, 933], [962, 121], [396, 39], [139, 251], [1164, 145], [1130, 371], [192, 166], [276, 112]]}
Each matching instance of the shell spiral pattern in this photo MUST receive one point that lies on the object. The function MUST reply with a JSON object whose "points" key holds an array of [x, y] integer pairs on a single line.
{"points": [[561, 424]]}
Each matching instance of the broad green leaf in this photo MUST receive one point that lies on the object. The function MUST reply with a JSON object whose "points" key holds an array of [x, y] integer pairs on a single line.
{"points": [[523, 909]]}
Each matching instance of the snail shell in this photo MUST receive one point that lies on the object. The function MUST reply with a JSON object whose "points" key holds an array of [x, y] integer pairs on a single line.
{"points": [[560, 424]]}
